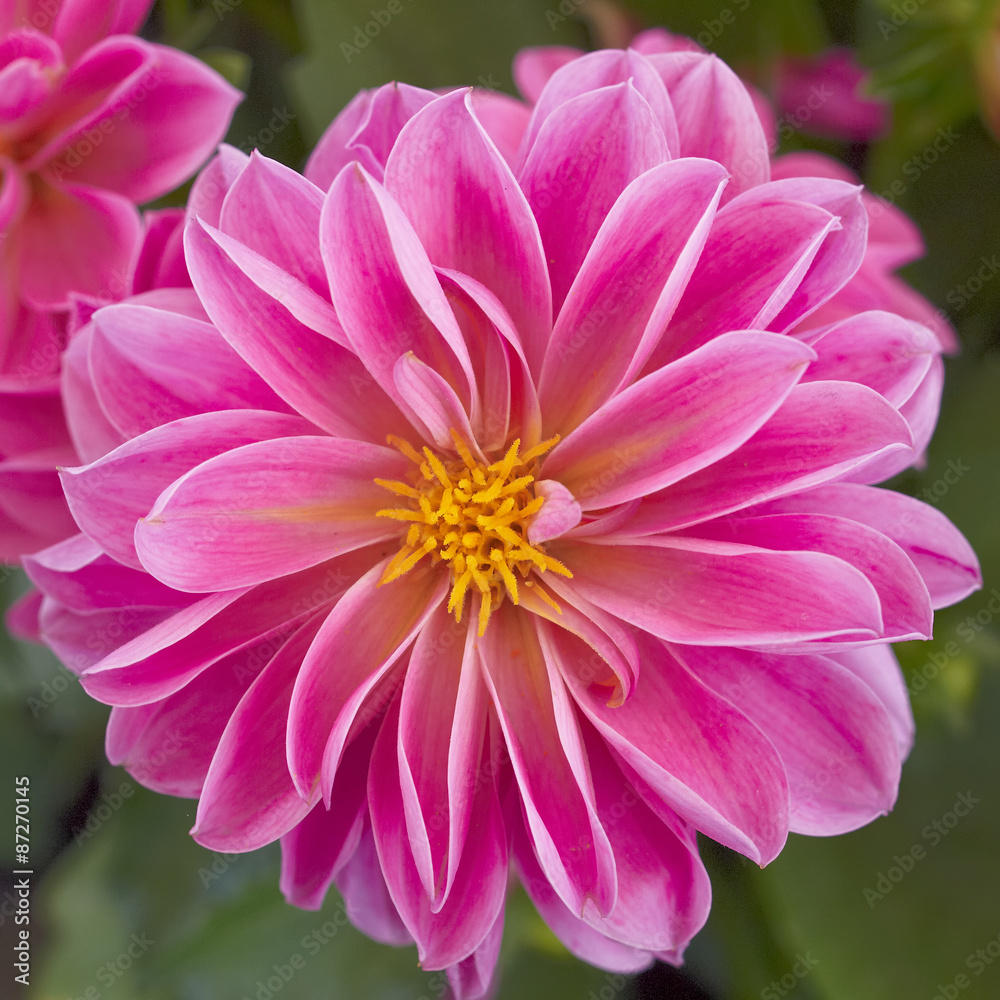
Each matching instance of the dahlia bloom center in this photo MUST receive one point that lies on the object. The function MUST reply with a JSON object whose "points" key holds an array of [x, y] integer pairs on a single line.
{"points": [[474, 516]]}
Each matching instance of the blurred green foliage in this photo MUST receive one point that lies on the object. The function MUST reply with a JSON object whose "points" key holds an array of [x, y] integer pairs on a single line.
{"points": [[202, 926]]}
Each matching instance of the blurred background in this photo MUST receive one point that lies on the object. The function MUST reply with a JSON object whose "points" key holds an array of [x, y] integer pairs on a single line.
{"points": [[127, 906]]}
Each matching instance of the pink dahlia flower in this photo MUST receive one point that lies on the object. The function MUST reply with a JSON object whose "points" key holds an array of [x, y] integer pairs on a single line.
{"points": [[509, 516], [92, 122], [826, 95]]}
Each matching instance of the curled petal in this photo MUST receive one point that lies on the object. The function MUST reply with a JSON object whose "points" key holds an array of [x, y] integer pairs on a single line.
{"points": [[542, 737], [470, 214]]}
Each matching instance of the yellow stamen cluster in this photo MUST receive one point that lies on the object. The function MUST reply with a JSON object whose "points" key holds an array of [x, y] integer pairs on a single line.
{"points": [[475, 518]]}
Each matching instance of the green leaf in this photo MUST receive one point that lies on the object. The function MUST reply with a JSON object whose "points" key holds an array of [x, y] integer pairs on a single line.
{"points": [[234, 66]]}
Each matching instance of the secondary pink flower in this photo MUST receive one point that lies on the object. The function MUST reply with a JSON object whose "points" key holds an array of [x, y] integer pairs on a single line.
{"points": [[825, 95], [512, 514], [92, 122]]}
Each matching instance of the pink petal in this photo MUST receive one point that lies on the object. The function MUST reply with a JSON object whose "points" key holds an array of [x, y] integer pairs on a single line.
{"points": [[584, 156], [390, 108], [877, 349], [469, 214], [332, 154], [322, 379], [31, 417], [921, 412], [765, 112], [161, 260], [615, 661], [542, 736], [80, 24], [733, 788], [678, 420], [842, 252], [903, 598], [721, 594], [56, 224], [266, 509], [822, 432], [505, 120], [655, 40], [21, 618], [248, 799], [559, 514], [433, 401], [533, 67], [893, 238], [149, 350], [164, 657], [410, 313], [604, 69], [473, 977], [366, 897], [77, 574], [92, 433], [160, 113], [878, 667], [168, 745], [628, 287], [441, 728], [843, 112], [357, 645], [809, 163], [715, 116], [33, 441], [275, 211], [314, 851], [210, 187], [506, 388], [664, 892], [14, 194], [754, 259], [942, 556], [109, 496], [82, 640], [30, 65], [30, 339], [579, 937], [832, 733], [303, 304], [32, 508], [450, 933]]}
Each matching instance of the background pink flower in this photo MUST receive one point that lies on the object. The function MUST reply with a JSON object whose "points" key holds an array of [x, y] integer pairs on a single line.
{"points": [[92, 122], [661, 603], [826, 95]]}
